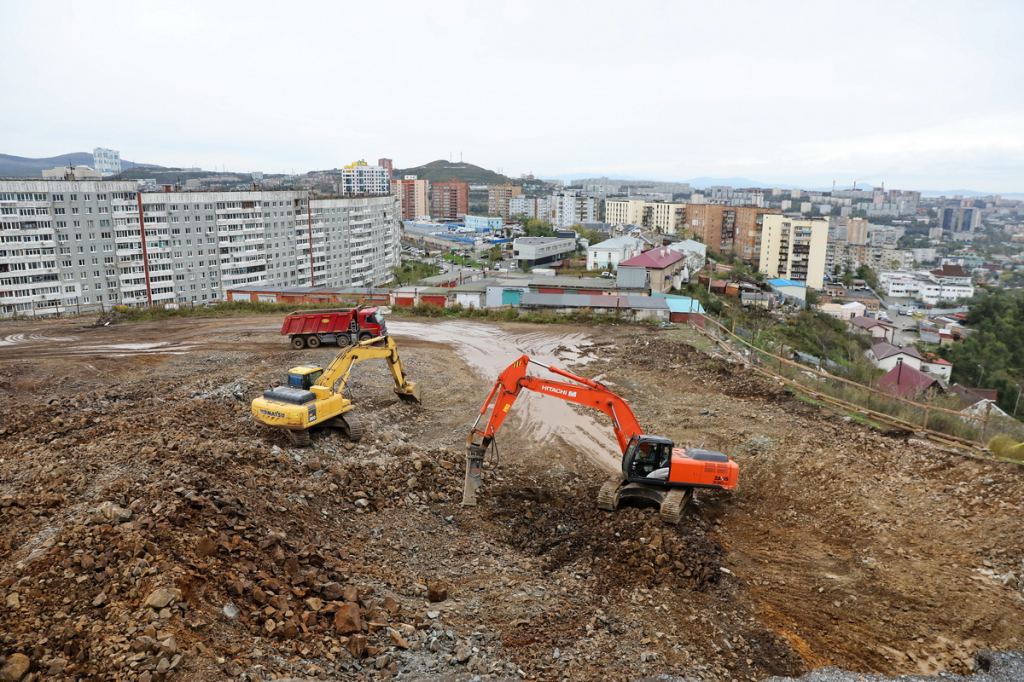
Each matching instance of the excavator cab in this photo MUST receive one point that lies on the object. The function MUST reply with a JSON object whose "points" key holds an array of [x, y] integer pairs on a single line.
{"points": [[303, 377], [647, 459]]}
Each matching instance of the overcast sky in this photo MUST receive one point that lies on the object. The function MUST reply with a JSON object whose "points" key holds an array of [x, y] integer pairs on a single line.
{"points": [[918, 95]]}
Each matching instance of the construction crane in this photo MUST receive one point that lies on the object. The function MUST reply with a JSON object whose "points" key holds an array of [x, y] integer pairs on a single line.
{"points": [[313, 396], [653, 468]]}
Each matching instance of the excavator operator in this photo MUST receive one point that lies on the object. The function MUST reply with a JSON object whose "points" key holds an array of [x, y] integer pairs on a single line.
{"points": [[652, 460]]}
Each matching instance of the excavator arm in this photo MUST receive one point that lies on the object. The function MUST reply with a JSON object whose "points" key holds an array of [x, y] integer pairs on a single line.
{"points": [[508, 387], [337, 373]]}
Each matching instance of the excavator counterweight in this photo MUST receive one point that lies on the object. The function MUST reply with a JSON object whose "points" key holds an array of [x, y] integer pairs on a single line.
{"points": [[313, 396], [653, 469]]}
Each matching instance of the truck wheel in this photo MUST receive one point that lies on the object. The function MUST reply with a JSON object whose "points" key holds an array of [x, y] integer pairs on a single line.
{"points": [[364, 336], [343, 339], [298, 342], [313, 341]]}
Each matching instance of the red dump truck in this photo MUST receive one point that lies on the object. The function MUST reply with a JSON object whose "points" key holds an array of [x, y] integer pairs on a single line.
{"points": [[343, 326]]}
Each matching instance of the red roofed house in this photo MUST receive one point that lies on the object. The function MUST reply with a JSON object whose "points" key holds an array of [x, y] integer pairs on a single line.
{"points": [[907, 382], [652, 269], [933, 364]]}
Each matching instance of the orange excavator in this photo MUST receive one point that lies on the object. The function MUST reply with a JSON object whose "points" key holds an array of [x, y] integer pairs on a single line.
{"points": [[652, 467]]}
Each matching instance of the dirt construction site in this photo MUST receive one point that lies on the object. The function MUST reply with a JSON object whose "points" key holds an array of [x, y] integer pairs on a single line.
{"points": [[150, 530]]}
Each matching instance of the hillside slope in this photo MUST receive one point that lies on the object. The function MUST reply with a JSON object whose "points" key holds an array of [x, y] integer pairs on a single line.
{"points": [[24, 167], [443, 171]]}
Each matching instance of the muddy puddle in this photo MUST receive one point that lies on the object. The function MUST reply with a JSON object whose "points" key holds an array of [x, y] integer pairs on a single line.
{"points": [[542, 419]]}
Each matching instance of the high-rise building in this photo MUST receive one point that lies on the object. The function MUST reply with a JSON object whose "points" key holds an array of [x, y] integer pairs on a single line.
{"points": [[794, 249], [361, 179], [498, 198], [572, 208], [959, 216], [69, 243], [857, 231], [449, 201], [106, 161], [388, 164], [413, 202]]}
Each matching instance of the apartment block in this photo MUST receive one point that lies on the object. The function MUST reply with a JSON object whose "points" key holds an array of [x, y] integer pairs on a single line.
{"points": [[793, 249], [70, 243], [736, 197], [857, 231], [729, 228], [531, 207], [498, 198], [663, 216], [106, 161], [449, 201], [624, 211], [387, 164], [572, 208], [361, 179], [413, 202]]}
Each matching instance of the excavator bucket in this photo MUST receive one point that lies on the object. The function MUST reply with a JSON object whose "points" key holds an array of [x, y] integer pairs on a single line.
{"points": [[410, 393]]}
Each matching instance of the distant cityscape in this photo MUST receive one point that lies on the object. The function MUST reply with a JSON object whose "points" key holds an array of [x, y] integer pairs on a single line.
{"points": [[73, 235]]}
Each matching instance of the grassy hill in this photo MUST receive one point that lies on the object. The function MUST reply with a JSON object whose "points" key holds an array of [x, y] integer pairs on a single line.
{"points": [[442, 171], [22, 167]]}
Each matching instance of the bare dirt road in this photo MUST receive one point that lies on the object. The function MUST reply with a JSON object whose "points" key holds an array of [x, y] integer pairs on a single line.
{"points": [[148, 529]]}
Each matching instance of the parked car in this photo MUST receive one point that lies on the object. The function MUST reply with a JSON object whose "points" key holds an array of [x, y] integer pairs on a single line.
{"points": [[607, 274]]}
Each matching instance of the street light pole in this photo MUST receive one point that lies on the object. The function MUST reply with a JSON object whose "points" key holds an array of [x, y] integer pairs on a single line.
{"points": [[982, 375], [1017, 402]]}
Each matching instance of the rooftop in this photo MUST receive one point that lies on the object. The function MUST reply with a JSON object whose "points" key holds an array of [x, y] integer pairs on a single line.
{"points": [[948, 270], [785, 283], [540, 240], [906, 381], [658, 258], [616, 242], [886, 350]]}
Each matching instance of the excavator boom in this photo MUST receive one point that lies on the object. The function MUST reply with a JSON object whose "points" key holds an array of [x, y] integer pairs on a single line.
{"points": [[337, 373], [586, 392]]}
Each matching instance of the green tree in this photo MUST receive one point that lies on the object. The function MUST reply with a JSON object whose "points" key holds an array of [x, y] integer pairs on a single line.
{"points": [[992, 356], [868, 275], [812, 299], [534, 227]]}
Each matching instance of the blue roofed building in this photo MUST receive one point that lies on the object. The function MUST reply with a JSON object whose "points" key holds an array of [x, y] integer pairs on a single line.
{"points": [[787, 288]]}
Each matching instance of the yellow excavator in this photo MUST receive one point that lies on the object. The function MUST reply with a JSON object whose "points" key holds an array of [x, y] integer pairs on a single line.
{"points": [[313, 396]]}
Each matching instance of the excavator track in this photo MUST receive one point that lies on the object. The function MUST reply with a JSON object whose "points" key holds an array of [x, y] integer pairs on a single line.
{"points": [[350, 425], [298, 438], [674, 503], [608, 497], [355, 427]]}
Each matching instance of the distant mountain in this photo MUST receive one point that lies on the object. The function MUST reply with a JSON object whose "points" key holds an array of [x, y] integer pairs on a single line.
{"points": [[22, 167], [443, 171], [970, 193]]}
